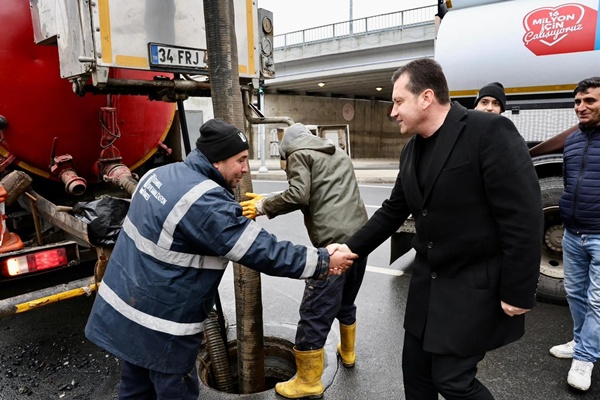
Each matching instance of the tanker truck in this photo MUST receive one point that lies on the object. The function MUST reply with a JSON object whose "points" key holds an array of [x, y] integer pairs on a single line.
{"points": [[92, 97], [539, 50]]}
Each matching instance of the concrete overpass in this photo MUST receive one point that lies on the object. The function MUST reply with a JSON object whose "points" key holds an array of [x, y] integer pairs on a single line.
{"points": [[352, 59]]}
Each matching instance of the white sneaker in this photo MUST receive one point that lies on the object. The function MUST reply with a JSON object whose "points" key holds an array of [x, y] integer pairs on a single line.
{"points": [[563, 350], [580, 374]]}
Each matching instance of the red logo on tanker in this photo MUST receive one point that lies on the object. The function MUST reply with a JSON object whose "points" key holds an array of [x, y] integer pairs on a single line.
{"points": [[567, 28]]}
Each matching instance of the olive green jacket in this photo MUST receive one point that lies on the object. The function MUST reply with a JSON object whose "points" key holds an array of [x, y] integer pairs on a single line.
{"points": [[323, 186]]}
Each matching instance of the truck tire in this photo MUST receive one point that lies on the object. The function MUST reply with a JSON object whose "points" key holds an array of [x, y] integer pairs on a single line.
{"points": [[550, 285]]}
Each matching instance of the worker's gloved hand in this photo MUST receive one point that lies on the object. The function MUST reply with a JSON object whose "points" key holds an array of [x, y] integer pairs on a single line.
{"points": [[252, 208]]}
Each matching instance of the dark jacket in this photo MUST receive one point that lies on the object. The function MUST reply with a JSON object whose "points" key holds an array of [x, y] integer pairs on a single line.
{"points": [[322, 184], [182, 229], [580, 202], [478, 234]]}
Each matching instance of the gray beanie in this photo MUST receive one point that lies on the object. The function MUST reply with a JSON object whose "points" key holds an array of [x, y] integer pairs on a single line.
{"points": [[219, 140], [292, 133], [495, 90]]}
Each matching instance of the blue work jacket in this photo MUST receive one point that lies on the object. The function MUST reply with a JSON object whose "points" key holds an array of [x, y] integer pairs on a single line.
{"points": [[182, 229]]}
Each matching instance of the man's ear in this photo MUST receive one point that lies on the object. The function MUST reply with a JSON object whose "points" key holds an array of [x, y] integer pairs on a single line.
{"points": [[217, 164], [427, 98]]}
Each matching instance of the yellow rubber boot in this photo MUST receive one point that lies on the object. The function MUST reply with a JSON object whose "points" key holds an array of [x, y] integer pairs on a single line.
{"points": [[307, 382], [346, 346]]}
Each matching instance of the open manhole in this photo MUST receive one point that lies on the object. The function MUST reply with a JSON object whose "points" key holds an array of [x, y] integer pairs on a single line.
{"points": [[280, 364]]}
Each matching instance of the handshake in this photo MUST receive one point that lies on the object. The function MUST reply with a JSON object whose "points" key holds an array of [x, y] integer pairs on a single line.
{"points": [[340, 256]]}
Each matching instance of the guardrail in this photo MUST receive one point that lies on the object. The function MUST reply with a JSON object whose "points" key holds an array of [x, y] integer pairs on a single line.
{"points": [[362, 26]]}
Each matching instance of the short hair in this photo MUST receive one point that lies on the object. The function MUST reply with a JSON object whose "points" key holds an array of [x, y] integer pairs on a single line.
{"points": [[425, 73], [586, 84]]}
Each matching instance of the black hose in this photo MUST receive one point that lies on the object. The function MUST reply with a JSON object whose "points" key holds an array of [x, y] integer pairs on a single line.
{"points": [[217, 352], [220, 317]]}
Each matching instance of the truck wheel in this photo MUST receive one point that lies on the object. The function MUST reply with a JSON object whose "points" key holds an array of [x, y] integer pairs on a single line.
{"points": [[550, 286]]}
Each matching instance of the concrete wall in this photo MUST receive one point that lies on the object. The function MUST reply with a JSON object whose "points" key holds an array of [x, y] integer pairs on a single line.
{"points": [[372, 133]]}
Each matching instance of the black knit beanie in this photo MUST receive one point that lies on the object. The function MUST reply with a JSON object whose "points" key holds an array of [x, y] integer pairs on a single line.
{"points": [[219, 140], [495, 90]]}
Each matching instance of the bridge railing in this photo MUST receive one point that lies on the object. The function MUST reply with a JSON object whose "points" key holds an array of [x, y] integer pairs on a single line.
{"points": [[377, 23]]}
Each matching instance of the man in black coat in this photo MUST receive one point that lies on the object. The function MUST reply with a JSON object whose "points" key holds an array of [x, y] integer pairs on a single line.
{"points": [[467, 178]]}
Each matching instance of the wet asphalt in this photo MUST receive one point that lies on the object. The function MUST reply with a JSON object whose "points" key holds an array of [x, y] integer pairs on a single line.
{"points": [[44, 354], [522, 370]]}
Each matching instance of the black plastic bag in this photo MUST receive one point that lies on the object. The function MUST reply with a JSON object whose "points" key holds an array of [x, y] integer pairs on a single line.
{"points": [[104, 218]]}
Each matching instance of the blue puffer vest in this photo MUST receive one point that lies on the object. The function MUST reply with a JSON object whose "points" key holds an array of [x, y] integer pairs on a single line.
{"points": [[580, 202]]}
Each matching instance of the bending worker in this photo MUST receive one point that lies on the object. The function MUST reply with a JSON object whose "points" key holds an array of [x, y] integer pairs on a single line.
{"points": [[323, 186]]}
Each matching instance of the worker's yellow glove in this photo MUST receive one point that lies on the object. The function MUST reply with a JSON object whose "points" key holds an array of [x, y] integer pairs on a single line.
{"points": [[252, 208]]}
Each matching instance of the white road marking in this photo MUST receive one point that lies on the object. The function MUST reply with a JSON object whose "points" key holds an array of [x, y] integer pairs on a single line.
{"points": [[386, 271], [382, 186]]}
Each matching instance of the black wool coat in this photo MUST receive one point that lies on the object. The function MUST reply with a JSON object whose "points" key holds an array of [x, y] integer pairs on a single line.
{"points": [[478, 235]]}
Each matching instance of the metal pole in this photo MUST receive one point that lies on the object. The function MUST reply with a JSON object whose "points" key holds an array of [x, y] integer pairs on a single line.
{"points": [[187, 147], [351, 29], [261, 135]]}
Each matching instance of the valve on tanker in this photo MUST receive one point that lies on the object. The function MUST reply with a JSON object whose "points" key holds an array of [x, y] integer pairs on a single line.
{"points": [[120, 175], [111, 170], [62, 167]]}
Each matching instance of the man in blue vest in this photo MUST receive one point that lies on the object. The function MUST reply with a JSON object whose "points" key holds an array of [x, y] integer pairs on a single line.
{"points": [[580, 212], [183, 228]]}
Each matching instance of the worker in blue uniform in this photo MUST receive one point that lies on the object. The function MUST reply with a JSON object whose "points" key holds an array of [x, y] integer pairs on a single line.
{"points": [[182, 229]]}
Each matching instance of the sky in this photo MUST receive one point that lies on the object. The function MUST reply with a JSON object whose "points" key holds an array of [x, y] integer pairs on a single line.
{"points": [[294, 15]]}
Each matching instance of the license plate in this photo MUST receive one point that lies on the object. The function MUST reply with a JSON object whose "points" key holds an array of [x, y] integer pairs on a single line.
{"points": [[165, 57]]}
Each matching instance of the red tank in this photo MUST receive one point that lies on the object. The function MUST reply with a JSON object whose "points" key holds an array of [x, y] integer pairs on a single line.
{"points": [[40, 106]]}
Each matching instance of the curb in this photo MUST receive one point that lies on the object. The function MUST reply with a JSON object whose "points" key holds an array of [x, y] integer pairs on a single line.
{"points": [[373, 177]]}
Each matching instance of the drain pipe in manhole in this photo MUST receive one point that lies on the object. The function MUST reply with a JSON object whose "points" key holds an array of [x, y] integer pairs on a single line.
{"points": [[280, 363], [218, 355]]}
